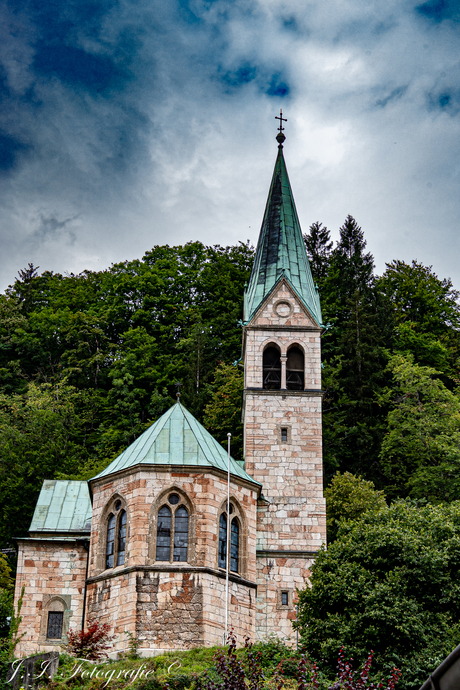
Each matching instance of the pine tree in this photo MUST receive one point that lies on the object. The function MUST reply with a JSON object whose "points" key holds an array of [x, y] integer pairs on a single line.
{"points": [[354, 357], [319, 249]]}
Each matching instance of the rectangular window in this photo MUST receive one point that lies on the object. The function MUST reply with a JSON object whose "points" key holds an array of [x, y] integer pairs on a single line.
{"points": [[284, 435], [55, 621], [284, 598]]}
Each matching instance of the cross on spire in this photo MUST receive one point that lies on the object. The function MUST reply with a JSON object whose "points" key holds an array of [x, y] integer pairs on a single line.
{"points": [[280, 136], [281, 119], [178, 385]]}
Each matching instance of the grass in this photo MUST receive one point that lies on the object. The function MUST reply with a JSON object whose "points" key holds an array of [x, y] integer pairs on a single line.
{"points": [[178, 669]]}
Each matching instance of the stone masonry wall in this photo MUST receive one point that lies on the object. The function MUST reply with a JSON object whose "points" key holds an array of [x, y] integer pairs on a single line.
{"points": [[274, 576], [170, 605], [48, 569], [291, 517]]}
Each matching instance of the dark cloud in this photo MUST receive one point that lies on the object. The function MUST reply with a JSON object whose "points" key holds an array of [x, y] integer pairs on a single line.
{"points": [[10, 150], [126, 123], [394, 94], [439, 10]]}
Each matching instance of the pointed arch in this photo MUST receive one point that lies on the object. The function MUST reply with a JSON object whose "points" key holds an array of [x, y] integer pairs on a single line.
{"points": [[182, 538]]}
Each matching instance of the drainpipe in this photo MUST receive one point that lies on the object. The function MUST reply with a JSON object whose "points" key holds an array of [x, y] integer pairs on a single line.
{"points": [[85, 544]]}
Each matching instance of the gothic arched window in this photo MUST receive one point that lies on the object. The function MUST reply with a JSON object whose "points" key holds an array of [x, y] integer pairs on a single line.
{"points": [[117, 525], [164, 534], [295, 369], [223, 541], [234, 545], [234, 542], [122, 520], [110, 546], [271, 368], [173, 530]]}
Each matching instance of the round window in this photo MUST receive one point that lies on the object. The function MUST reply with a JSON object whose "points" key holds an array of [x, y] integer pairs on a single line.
{"points": [[283, 308], [118, 505], [231, 509], [174, 499]]}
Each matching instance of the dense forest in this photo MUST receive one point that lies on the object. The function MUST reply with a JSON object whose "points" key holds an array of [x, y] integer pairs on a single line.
{"points": [[88, 361]]}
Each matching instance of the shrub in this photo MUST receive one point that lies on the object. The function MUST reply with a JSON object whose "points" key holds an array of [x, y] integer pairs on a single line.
{"points": [[90, 643]]}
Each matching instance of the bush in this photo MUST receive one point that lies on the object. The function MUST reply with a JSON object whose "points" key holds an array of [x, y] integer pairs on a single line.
{"points": [[391, 583], [90, 643]]}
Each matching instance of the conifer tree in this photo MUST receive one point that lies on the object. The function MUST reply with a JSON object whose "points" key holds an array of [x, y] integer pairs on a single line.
{"points": [[354, 356], [319, 245]]}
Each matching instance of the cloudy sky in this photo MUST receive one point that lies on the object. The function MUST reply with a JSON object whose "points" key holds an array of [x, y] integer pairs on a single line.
{"points": [[130, 123]]}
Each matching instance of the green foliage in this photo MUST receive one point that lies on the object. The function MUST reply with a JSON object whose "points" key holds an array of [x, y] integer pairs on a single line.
{"points": [[89, 361], [354, 355], [347, 498], [391, 583], [223, 412], [420, 452], [42, 432]]}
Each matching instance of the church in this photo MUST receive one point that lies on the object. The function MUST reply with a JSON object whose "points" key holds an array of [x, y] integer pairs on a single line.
{"points": [[143, 545]]}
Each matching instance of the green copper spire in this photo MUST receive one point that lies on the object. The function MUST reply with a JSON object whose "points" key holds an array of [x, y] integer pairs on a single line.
{"points": [[281, 248]]}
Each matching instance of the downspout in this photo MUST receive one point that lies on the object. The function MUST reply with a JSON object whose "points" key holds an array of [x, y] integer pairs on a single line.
{"points": [[85, 544]]}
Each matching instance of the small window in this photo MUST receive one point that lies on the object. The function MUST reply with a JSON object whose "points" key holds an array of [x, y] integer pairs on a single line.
{"points": [[110, 548], [55, 622], [284, 434], [174, 499], [164, 534], [121, 538], [284, 598]]}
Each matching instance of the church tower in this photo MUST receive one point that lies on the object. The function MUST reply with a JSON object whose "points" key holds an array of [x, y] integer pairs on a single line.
{"points": [[282, 407]]}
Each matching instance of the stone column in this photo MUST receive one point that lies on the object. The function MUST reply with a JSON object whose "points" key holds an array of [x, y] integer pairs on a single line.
{"points": [[283, 359]]}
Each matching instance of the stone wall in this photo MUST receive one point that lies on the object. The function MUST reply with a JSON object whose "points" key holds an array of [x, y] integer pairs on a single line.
{"points": [[53, 574], [291, 520], [171, 605], [276, 575]]}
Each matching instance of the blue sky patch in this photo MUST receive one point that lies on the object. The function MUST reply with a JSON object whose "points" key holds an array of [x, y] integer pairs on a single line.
{"points": [[277, 86], [75, 66], [438, 10], [10, 148]]}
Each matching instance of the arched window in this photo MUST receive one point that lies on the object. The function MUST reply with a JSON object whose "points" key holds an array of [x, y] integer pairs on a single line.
{"points": [[234, 542], [180, 534], [234, 545], [121, 537], [116, 535], [223, 541], [295, 369], [173, 530], [110, 547], [271, 368], [164, 534]]}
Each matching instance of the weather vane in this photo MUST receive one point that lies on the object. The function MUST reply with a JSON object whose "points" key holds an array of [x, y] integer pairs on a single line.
{"points": [[178, 385], [280, 136]]}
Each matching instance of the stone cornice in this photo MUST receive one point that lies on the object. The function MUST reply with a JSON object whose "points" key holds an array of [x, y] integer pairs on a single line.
{"points": [[311, 393], [280, 553], [174, 469], [172, 569]]}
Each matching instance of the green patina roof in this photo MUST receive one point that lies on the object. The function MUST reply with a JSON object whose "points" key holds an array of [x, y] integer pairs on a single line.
{"points": [[177, 438], [281, 250], [63, 506]]}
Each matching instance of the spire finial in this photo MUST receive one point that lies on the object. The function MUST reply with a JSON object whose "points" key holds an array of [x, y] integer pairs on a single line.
{"points": [[280, 138], [178, 385]]}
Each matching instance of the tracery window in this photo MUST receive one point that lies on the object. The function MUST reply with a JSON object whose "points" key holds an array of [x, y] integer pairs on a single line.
{"points": [[295, 369], [117, 523], [172, 530], [271, 368], [234, 542]]}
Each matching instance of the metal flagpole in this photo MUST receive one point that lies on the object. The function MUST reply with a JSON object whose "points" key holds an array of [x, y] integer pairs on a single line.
{"points": [[227, 564]]}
